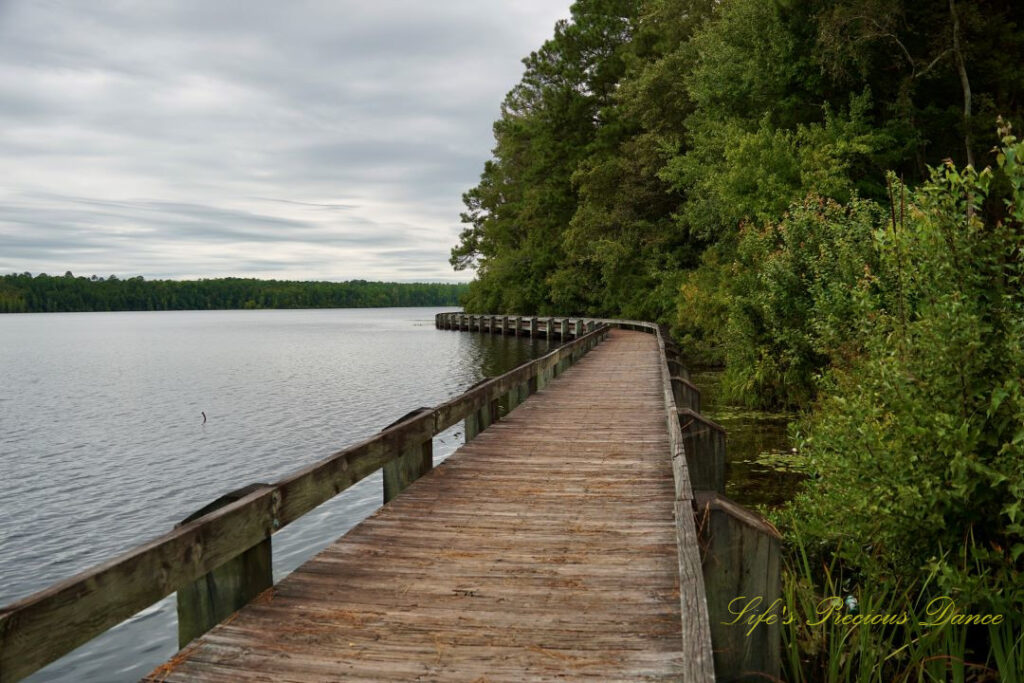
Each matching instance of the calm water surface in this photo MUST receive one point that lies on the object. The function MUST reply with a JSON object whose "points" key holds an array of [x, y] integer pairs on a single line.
{"points": [[102, 441]]}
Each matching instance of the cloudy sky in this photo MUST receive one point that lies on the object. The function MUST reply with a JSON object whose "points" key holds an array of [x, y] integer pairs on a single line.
{"points": [[199, 138]]}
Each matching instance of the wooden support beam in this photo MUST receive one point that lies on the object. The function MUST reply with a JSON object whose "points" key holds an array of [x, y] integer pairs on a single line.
{"points": [[415, 460], [533, 327], [704, 442], [213, 597], [740, 562]]}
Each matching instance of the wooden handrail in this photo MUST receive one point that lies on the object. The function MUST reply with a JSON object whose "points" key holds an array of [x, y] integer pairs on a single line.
{"points": [[42, 627]]}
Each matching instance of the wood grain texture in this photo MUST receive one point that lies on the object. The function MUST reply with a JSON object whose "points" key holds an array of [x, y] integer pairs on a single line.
{"points": [[546, 548]]}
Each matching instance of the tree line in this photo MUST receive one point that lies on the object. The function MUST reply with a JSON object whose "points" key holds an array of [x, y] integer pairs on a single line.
{"points": [[827, 199], [25, 293]]}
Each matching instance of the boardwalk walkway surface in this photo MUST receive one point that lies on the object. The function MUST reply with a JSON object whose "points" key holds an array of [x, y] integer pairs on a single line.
{"points": [[543, 549]]}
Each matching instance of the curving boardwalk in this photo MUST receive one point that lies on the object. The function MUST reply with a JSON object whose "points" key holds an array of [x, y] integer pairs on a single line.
{"points": [[543, 549]]}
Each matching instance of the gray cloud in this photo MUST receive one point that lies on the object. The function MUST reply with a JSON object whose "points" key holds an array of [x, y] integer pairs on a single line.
{"points": [[320, 140]]}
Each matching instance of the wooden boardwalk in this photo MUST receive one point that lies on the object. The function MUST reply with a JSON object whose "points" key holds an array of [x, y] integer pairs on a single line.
{"points": [[543, 549]]}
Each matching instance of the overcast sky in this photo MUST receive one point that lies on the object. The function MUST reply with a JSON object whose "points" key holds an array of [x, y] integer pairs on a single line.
{"points": [[302, 140]]}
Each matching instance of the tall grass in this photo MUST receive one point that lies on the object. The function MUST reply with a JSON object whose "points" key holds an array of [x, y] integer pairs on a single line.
{"points": [[905, 650]]}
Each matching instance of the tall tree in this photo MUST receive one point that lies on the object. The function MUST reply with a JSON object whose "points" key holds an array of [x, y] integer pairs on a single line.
{"points": [[525, 199]]}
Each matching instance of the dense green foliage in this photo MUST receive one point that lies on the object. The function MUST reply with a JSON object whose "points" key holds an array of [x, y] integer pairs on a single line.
{"points": [[45, 293], [795, 188], [918, 440]]}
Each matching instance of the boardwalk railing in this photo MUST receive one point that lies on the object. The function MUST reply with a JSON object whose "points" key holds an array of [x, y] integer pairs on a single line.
{"points": [[726, 552], [219, 558]]}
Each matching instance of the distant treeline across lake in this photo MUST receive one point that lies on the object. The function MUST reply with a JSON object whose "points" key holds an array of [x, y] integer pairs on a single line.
{"points": [[25, 293]]}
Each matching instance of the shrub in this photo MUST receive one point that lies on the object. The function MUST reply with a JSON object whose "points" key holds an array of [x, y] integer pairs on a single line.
{"points": [[916, 449]]}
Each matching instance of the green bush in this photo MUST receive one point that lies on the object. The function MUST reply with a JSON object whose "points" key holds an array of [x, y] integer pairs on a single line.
{"points": [[798, 288], [916, 449]]}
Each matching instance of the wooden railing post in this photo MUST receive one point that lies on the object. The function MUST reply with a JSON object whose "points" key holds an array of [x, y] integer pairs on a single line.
{"points": [[515, 396], [704, 442], [565, 329], [216, 595], [533, 327], [686, 394], [740, 558], [471, 426], [543, 377], [677, 369], [414, 461]]}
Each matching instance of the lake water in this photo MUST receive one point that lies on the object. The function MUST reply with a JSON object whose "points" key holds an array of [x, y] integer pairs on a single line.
{"points": [[103, 444]]}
